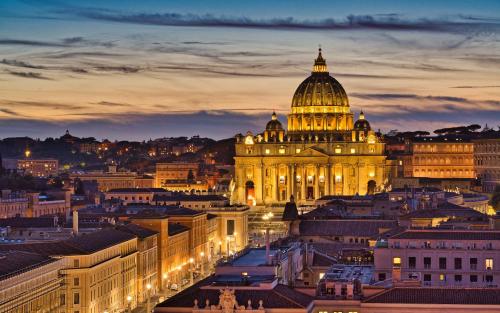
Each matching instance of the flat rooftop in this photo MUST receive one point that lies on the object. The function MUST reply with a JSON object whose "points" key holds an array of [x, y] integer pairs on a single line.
{"points": [[254, 257], [348, 273]]}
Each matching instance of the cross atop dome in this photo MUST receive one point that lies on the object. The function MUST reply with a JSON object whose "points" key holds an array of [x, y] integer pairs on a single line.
{"points": [[320, 63]]}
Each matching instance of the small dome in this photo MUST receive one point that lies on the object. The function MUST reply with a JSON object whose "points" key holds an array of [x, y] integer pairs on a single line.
{"points": [[361, 123], [274, 124], [320, 89]]}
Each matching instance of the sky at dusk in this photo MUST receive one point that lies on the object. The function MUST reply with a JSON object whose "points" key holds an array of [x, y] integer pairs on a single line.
{"points": [[148, 69]]}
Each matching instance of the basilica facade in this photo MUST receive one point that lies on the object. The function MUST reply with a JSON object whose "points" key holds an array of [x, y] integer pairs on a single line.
{"points": [[322, 151]]}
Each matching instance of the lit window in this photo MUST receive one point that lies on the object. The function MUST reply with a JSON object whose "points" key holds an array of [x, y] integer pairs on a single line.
{"points": [[281, 150], [353, 150], [322, 179], [396, 261], [249, 140], [282, 179], [371, 174], [488, 263], [298, 178], [442, 277], [297, 150], [338, 150], [321, 275], [338, 178], [268, 151]]}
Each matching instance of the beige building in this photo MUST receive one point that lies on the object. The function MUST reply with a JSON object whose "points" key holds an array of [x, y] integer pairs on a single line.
{"points": [[30, 282], [147, 258], [322, 152], [115, 180], [174, 171], [99, 272], [487, 162], [33, 167], [440, 158]]}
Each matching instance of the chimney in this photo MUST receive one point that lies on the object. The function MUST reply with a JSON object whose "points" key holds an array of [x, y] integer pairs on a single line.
{"points": [[75, 222]]}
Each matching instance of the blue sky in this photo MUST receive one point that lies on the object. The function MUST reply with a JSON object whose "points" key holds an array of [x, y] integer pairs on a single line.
{"points": [[147, 69]]}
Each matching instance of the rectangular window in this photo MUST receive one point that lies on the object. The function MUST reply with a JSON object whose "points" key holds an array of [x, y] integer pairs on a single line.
{"points": [[381, 276], [412, 262], [458, 278], [442, 277], [473, 263], [229, 227], [76, 298], [427, 277], [427, 262], [297, 150], [488, 278], [458, 263], [473, 278], [76, 281], [62, 299], [488, 264], [338, 150], [396, 261], [442, 263], [353, 150], [76, 263], [281, 151], [268, 151]]}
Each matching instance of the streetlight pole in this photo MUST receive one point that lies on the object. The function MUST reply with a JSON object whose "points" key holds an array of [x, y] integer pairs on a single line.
{"points": [[191, 277], [148, 304], [266, 219], [202, 257], [129, 300]]}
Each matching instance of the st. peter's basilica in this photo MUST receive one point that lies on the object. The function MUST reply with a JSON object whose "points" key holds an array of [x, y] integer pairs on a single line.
{"points": [[322, 151]]}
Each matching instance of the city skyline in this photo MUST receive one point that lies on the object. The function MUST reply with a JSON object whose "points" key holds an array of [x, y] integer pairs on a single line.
{"points": [[121, 71]]}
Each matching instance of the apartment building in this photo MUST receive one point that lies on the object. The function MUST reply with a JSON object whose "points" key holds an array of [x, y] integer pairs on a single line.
{"points": [[464, 258]]}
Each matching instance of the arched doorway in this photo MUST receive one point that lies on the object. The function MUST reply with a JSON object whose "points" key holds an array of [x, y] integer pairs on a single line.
{"points": [[250, 193], [370, 190]]}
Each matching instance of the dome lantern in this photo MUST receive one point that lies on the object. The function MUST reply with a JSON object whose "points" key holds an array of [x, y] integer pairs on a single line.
{"points": [[320, 64]]}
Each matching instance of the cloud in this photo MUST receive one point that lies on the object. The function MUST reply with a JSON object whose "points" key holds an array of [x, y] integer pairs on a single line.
{"points": [[380, 21], [472, 87], [21, 64], [9, 112], [29, 75], [40, 104], [21, 42]]}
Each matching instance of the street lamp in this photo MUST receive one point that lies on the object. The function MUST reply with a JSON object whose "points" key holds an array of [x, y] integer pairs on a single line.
{"points": [[191, 278], [266, 217], [202, 267], [129, 301], [148, 308]]}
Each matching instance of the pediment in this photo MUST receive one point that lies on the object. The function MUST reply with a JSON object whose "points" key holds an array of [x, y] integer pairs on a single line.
{"points": [[312, 152]]}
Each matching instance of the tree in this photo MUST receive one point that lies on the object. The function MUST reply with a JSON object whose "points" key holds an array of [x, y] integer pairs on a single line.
{"points": [[190, 176], [495, 199]]}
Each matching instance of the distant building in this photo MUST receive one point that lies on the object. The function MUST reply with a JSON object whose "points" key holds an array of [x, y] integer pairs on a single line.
{"points": [[487, 162], [114, 180], [175, 171], [453, 258], [33, 167], [437, 157]]}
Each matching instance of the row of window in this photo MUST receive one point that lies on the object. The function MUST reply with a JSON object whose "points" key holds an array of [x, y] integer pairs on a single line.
{"points": [[442, 261]]}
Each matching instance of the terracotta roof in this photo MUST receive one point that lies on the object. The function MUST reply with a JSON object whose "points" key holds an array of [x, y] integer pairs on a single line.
{"points": [[440, 295], [449, 234], [137, 230], [280, 296], [82, 244], [360, 228], [12, 262], [174, 229], [28, 222], [138, 190], [188, 197]]}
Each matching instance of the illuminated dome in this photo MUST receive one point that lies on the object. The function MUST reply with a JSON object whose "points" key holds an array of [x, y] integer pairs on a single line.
{"points": [[361, 123], [320, 105], [274, 124], [320, 89]]}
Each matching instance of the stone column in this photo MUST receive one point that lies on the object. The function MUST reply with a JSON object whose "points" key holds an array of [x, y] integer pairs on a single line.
{"points": [[303, 183], [327, 179], [316, 181], [289, 181], [277, 182], [294, 180]]}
